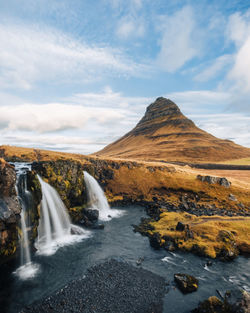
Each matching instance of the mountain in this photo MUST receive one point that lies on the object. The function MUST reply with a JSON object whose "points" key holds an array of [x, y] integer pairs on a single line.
{"points": [[164, 133]]}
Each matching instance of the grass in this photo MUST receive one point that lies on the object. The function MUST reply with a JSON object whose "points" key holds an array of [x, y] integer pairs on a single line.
{"points": [[145, 180], [244, 161], [210, 234]]}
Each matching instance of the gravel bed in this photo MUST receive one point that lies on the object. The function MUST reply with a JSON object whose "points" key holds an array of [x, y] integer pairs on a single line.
{"points": [[110, 287]]}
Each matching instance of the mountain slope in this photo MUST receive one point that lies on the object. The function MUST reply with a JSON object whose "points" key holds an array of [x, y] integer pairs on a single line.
{"points": [[164, 133]]}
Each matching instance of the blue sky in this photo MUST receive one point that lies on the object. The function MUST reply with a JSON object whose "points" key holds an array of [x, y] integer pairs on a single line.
{"points": [[76, 75]]}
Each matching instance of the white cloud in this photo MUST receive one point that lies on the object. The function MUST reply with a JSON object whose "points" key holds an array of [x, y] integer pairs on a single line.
{"points": [[238, 78], [109, 99], [233, 126], [53, 116], [131, 4], [214, 68], [178, 43], [240, 73], [130, 27], [29, 55], [200, 100]]}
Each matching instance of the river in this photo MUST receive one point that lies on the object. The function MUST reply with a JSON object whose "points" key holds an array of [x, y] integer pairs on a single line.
{"points": [[117, 240]]}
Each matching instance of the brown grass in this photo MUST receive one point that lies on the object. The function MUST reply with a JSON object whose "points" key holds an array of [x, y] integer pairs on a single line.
{"points": [[167, 182], [206, 231]]}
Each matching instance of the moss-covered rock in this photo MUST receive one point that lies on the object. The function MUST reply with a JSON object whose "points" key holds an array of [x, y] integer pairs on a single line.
{"points": [[235, 301], [186, 283], [67, 177], [211, 305], [9, 211]]}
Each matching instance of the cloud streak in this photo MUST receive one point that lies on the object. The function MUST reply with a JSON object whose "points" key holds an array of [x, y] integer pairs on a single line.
{"points": [[53, 117], [178, 44], [30, 55]]}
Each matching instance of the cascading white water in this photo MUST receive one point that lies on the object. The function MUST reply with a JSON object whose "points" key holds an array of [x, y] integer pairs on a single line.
{"points": [[27, 269], [55, 228], [97, 199]]}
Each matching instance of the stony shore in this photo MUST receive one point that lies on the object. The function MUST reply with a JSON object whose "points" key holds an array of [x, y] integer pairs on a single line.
{"points": [[107, 288]]}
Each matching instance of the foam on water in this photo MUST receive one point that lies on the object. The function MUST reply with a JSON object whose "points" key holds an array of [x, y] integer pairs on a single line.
{"points": [[27, 271]]}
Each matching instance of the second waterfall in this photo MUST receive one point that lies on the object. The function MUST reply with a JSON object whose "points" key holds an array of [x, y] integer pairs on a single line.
{"points": [[97, 199]]}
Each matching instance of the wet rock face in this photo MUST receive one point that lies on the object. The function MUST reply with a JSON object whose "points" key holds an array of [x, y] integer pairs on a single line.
{"points": [[67, 177], [9, 210], [186, 283], [215, 180]]}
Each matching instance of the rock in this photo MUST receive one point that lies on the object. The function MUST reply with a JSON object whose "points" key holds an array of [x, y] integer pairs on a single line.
{"points": [[139, 261], [236, 301], [169, 244], [9, 210], [229, 250], [92, 215], [232, 197], [211, 305], [67, 177], [155, 241], [180, 226], [186, 283], [189, 233], [222, 181]]}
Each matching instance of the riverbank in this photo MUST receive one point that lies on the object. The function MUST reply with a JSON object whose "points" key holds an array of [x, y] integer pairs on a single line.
{"points": [[210, 236]]}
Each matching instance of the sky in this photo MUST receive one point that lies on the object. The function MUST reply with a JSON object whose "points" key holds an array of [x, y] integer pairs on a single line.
{"points": [[77, 75]]}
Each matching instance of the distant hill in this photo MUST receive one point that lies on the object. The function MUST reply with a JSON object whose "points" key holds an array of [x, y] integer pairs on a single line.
{"points": [[164, 133]]}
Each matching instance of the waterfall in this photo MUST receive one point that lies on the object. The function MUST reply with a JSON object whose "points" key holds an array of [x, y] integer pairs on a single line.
{"points": [[55, 228], [27, 268], [97, 199]]}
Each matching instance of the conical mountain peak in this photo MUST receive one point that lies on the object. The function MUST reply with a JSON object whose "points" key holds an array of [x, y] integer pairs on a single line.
{"points": [[161, 113], [164, 133], [161, 107]]}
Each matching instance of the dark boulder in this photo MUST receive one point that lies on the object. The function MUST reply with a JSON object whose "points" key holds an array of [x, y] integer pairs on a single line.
{"points": [[236, 301], [92, 215], [222, 181], [211, 305], [186, 283], [180, 226], [155, 241]]}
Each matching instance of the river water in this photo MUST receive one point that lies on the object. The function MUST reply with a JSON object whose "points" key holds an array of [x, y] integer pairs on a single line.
{"points": [[118, 240]]}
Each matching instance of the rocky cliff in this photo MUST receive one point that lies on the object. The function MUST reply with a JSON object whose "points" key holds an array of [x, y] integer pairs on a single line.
{"points": [[10, 209], [164, 133]]}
